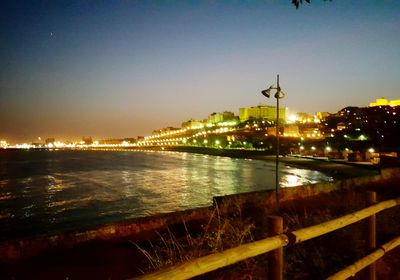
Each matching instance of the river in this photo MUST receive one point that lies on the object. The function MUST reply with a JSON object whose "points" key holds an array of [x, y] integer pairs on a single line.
{"points": [[47, 192]]}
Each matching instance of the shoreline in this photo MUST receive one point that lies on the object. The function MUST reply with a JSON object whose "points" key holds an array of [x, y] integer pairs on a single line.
{"points": [[333, 168], [78, 254], [337, 169]]}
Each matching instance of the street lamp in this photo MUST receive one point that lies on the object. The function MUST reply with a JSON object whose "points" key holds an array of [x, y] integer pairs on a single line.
{"points": [[278, 95]]}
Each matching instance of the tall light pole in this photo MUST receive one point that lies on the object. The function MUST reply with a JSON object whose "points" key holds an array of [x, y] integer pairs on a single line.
{"points": [[278, 95]]}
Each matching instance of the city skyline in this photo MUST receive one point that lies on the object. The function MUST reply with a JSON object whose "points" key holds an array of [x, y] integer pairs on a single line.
{"points": [[120, 70], [222, 119]]}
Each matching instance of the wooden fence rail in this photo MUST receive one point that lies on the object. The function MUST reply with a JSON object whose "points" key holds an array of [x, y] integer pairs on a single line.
{"points": [[338, 223], [212, 262], [367, 260]]}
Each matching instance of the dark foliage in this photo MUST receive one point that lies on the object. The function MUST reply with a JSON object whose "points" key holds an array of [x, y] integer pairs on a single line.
{"points": [[298, 2], [379, 125]]}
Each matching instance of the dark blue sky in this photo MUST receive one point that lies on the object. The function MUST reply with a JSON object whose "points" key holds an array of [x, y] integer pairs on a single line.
{"points": [[123, 68]]}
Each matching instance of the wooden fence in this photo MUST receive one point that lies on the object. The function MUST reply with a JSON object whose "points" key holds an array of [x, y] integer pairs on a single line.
{"points": [[274, 247]]}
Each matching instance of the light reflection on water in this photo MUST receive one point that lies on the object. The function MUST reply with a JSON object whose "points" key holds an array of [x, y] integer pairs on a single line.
{"points": [[46, 192]]}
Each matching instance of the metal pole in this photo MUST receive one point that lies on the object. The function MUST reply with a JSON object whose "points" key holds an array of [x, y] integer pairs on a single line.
{"points": [[277, 145], [275, 257]]}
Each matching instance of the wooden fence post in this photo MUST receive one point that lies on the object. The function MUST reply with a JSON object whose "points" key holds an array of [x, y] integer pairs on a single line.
{"points": [[275, 257], [371, 239]]}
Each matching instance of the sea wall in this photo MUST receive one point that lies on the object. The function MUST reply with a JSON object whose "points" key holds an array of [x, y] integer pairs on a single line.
{"points": [[140, 229], [136, 230]]}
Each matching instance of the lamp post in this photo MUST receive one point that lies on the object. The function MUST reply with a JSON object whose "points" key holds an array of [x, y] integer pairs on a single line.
{"points": [[278, 95]]}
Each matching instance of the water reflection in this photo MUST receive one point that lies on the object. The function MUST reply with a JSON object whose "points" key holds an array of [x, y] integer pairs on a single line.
{"points": [[290, 180], [291, 177], [83, 189]]}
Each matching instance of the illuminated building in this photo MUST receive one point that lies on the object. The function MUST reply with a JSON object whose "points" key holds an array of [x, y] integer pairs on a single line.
{"points": [[262, 112], [286, 131], [291, 131], [165, 130], [3, 144], [304, 117], [87, 140], [311, 132], [322, 115], [37, 145], [110, 142], [271, 131], [50, 141], [220, 117], [384, 102], [192, 124], [394, 103], [357, 128], [129, 140], [341, 126]]}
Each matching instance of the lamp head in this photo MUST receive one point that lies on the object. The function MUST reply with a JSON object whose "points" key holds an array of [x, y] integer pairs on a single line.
{"points": [[279, 94], [267, 92]]}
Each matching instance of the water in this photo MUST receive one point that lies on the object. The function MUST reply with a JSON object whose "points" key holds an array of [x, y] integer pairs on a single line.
{"points": [[47, 192]]}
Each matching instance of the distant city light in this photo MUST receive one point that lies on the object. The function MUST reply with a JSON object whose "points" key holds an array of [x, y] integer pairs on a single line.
{"points": [[292, 118], [3, 144], [125, 143]]}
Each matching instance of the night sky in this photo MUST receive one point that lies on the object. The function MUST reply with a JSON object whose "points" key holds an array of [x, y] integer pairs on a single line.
{"points": [[111, 69]]}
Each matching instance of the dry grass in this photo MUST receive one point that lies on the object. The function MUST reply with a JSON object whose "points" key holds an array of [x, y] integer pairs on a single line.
{"points": [[219, 233], [313, 259]]}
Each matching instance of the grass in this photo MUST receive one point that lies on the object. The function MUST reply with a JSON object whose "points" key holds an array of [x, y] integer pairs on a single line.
{"points": [[237, 224], [219, 233]]}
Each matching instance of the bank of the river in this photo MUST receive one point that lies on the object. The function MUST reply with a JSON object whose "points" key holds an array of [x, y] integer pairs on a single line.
{"points": [[332, 168], [336, 169], [109, 253]]}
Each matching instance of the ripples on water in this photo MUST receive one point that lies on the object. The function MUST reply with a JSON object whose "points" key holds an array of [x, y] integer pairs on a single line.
{"points": [[44, 192]]}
